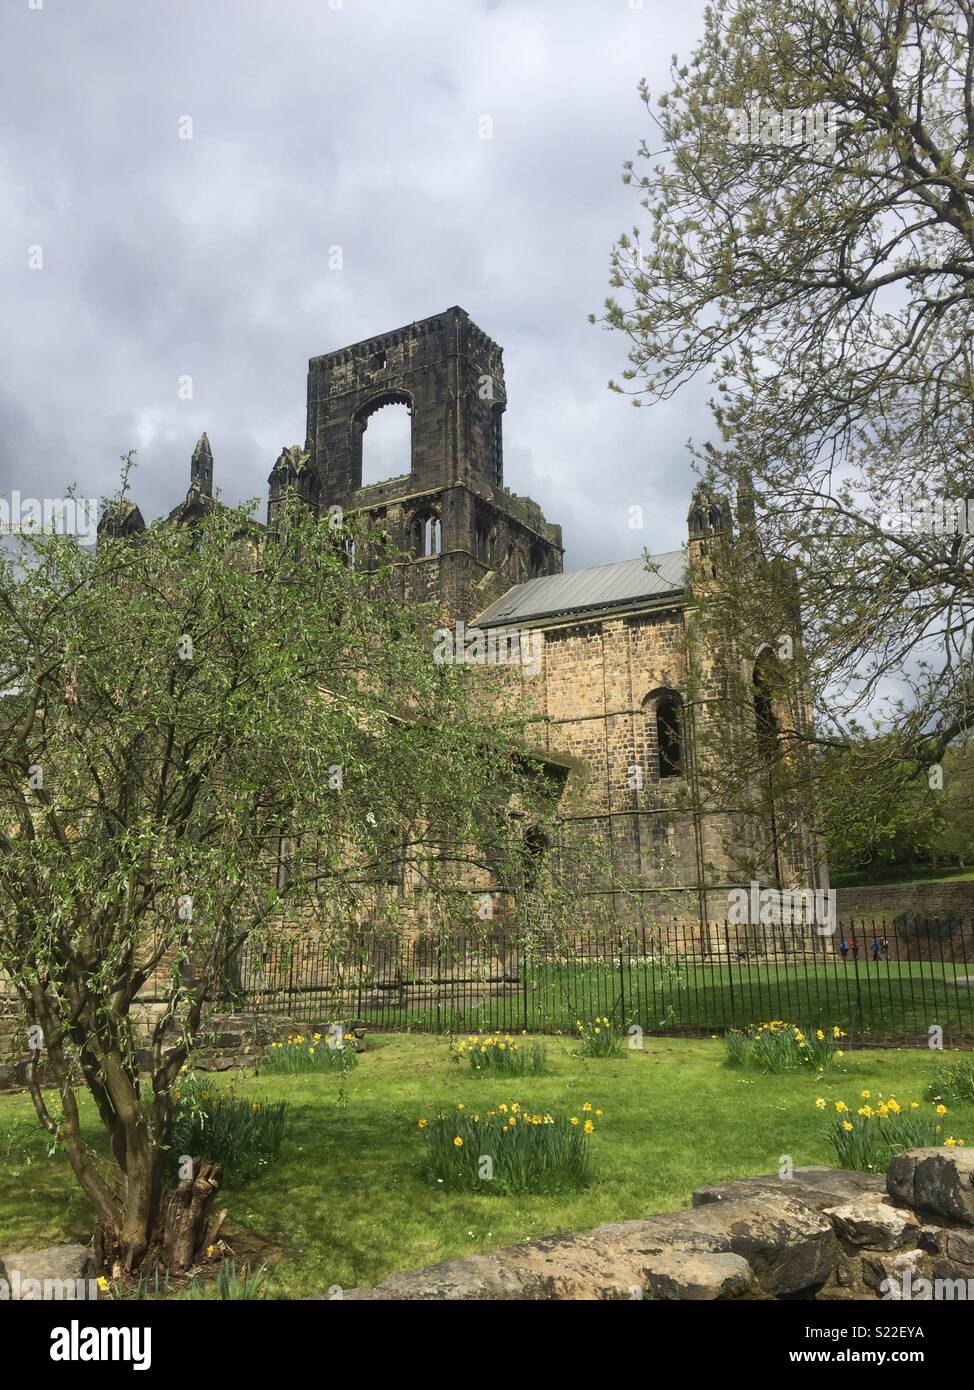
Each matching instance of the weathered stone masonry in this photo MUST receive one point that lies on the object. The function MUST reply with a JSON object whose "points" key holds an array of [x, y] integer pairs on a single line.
{"points": [[613, 639]]}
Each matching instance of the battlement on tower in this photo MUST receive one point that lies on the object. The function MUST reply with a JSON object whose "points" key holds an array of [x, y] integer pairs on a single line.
{"points": [[451, 507]]}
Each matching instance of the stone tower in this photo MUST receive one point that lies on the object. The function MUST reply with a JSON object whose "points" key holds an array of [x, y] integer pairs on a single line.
{"points": [[468, 537], [709, 532]]}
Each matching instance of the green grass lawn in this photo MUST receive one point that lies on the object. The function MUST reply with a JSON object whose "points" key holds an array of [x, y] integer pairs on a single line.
{"points": [[348, 1202], [899, 876], [887, 1000]]}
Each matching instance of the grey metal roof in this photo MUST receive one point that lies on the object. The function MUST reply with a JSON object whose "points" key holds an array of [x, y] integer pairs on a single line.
{"points": [[602, 586]]}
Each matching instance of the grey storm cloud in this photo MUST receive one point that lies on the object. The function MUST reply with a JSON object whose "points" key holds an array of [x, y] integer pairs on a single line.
{"points": [[316, 124]]}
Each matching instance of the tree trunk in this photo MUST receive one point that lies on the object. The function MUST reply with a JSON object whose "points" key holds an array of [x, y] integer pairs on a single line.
{"points": [[186, 1219]]}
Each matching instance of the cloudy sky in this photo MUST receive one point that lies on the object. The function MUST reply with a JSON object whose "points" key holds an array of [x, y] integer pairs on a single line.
{"points": [[314, 124]]}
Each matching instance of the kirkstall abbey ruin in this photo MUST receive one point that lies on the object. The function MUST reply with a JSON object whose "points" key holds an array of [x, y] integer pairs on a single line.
{"points": [[603, 650]]}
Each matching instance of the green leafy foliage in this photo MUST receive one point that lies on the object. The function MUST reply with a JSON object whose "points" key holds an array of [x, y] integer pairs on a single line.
{"points": [[212, 737], [214, 1123], [500, 1054], [308, 1054], [866, 1136], [232, 1284], [778, 1047], [599, 1038], [807, 245], [953, 1080], [510, 1149]]}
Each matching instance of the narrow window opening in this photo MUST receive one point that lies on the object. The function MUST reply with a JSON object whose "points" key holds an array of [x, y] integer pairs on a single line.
{"points": [[669, 737]]}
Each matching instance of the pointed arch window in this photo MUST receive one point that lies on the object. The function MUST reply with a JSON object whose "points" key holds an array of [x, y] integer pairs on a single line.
{"points": [[765, 680]]}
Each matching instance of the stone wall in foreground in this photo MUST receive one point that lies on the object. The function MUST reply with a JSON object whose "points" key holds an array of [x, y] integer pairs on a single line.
{"points": [[824, 1233]]}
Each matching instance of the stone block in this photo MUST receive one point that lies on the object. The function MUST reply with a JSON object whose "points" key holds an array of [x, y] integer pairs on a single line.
{"points": [[937, 1180]]}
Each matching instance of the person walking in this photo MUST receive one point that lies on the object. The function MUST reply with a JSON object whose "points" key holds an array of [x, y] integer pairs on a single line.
{"points": [[844, 949], [874, 948]]}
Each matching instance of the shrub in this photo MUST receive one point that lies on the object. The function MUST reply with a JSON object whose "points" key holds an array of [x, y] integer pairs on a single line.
{"points": [[500, 1054], [915, 926], [315, 1053], [778, 1047], [952, 1080], [600, 1038], [215, 1124], [510, 1149], [867, 1138]]}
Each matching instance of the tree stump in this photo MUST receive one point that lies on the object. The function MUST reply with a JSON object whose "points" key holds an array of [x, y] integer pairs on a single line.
{"points": [[187, 1219]]}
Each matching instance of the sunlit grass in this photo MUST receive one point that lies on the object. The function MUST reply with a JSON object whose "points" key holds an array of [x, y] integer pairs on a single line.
{"points": [[349, 1198]]}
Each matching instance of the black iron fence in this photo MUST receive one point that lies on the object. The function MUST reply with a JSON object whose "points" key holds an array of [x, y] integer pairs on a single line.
{"points": [[887, 985]]}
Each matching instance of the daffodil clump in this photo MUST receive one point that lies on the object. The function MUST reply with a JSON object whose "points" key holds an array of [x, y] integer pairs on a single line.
{"points": [[314, 1052], [212, 1123], [500, 1053], [778, 1046], [510, 1149], [600, 1038], [866, 1134]]}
